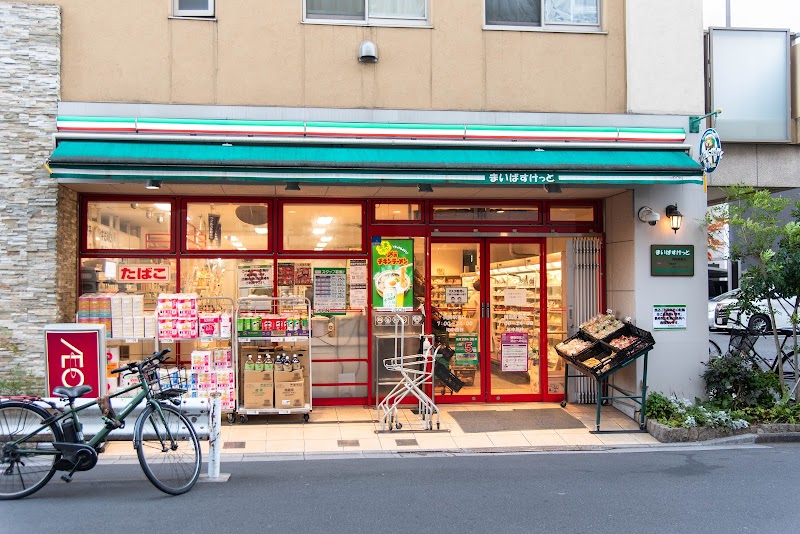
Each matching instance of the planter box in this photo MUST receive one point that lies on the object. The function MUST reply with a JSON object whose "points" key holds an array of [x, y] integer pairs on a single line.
{"points": [[665, 434]]}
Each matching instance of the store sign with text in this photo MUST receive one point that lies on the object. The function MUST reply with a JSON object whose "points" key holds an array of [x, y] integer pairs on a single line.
{"points": [[330, 290], [669, 316], [145, 273], [393, 274], [76, 356], [671, 260]]}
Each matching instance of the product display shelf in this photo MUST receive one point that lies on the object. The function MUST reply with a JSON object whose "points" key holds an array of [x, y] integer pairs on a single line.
{"points": [[273, 325], [600, 360]]}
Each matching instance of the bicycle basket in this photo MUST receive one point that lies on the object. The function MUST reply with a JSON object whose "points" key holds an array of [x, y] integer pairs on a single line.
{"points": [[165, 383], [742, 340]]}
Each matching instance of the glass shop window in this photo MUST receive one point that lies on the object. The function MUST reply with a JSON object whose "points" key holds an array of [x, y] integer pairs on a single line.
{"points": [[572, 214], [227, 226], [397, 212], [323, 227], [125, 225]]}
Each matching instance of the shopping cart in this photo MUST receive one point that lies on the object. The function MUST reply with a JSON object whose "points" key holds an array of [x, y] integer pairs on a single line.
{"points": [[416, 371]]}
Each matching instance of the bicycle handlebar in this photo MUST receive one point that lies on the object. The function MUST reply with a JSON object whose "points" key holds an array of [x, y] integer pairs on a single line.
{"points": [[157, 357]]}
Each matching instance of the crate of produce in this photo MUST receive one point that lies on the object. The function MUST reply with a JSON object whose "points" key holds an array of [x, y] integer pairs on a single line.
{"points": [[596, 360], [602, 326], [574, 347], [627, 342]]}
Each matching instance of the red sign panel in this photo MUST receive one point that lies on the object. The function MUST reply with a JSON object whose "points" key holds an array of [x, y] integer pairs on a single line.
{"points": [[73, 359]]}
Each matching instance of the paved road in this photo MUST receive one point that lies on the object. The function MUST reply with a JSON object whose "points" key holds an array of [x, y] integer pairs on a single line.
{"points": [[672, 490]]}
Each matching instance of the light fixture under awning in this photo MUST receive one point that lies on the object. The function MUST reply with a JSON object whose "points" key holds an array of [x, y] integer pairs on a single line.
{"points": [[186, 162]]}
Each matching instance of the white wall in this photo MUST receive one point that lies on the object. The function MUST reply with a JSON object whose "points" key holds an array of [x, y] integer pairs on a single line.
{"points": [[675, 364], [664, 56]]}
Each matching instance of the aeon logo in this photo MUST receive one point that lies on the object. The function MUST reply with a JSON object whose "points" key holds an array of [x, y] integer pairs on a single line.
{"points": [[72, 364]]}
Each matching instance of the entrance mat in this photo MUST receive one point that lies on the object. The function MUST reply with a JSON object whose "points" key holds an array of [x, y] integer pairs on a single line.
{"points": [[501, 421]]}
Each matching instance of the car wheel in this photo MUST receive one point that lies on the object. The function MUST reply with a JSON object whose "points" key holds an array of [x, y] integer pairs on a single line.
{"points": [[760, 323]]}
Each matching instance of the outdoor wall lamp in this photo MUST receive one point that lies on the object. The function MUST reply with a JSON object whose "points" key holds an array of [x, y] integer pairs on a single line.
{"points": [[675, 217], [153, 184]]}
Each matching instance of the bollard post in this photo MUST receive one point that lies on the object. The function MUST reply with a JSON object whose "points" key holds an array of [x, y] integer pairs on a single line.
{"points": [[214, 445]]}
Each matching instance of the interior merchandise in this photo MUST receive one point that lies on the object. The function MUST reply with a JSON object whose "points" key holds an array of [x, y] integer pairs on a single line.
{"points": [[574, 346], [177, 316], [602, 326]]}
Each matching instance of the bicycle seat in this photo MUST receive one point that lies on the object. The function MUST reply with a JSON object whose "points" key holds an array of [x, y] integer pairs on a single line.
{"points": [[72, 393]]}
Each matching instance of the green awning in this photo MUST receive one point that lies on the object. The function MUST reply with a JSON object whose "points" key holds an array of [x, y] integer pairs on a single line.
{"points": [[333, 163]]}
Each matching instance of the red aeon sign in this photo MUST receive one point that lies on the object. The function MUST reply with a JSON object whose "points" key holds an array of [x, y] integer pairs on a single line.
{"points": [[73, 359]]}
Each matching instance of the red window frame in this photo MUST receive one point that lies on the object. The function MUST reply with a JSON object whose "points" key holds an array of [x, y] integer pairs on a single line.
{"points": [[373, 219], [282, 203]]}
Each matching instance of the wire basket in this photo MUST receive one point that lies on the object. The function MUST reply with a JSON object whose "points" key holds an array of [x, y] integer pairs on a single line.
{"points": [[742, 340], [563, 348], [644, 341], [167, 382]]}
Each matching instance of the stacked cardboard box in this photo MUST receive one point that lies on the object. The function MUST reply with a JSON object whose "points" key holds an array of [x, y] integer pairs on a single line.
{"points": [[258, 389], [292, 387]]}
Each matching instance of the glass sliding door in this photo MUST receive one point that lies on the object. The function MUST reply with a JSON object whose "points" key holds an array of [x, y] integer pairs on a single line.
{"points": [[515, 303]]}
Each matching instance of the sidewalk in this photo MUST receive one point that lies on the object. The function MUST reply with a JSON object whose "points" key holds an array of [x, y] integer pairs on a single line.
{"points": [[353, 429]]}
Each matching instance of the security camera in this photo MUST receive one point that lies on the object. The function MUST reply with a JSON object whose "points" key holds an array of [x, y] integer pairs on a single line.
{"points": [[649, 216]]}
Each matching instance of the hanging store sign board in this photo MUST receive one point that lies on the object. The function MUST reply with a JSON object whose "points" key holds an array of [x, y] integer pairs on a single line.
{"points": [[671, 260], [76, 356], [514, 352], [710, 150], [515, 297], [254, 276], [144, 273], [466, 349], [455, 295], [393, 274], [330, 290], [669, 316]]}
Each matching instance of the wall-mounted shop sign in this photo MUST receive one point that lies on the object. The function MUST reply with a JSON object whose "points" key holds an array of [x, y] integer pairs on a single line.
{"points": [[145, 273], [330, 290], [710, 150], [255, 276], [76, 356], [532, 178], [672, 260], [393, 274], [669, 317]]}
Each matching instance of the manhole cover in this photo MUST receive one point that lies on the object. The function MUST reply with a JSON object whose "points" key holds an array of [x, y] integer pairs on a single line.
{"points": [[406, 442], [233, 445], [348, 443]]}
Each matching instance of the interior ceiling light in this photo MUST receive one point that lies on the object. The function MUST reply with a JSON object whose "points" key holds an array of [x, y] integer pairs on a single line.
{"points": [[318, 231], [326, 238], [261, 230], [163, 207], [153, 184], [321, 244], [322, 221]]}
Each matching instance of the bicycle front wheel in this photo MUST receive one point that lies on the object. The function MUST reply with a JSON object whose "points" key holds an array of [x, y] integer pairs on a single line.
{"points": [[25, 467], [168, 450]]}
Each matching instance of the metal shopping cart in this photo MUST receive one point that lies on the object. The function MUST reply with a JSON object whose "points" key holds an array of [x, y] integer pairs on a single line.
{"points": [[416, 371]]}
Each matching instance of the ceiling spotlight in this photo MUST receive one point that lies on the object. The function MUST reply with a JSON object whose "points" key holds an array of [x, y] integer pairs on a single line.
{"points": [[552, 188], [148, 214], [292, 186], [159, 218], [153, 184], [261, 230], [425, 188]]}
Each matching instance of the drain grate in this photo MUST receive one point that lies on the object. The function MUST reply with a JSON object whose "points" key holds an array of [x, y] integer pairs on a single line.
{"points": [[348, 443], [233, 445], [406, 442]]}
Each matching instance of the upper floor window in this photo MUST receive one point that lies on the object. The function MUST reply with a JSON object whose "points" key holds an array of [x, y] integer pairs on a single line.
{"points": [[373, 12], [545, 14], [193, 8]]}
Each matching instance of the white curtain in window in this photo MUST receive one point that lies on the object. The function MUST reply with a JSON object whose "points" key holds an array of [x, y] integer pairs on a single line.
{"points": [[513, 12], [571, 11], [402, 9], [335, 9]]}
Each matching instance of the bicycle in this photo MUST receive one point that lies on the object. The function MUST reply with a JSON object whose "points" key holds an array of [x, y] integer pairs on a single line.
{"points": [[713, 350], [35, 442]]}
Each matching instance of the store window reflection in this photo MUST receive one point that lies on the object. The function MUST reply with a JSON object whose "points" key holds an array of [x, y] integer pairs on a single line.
{"points": [[128, 226], [397, 212], [323, 227], [227, 226]]}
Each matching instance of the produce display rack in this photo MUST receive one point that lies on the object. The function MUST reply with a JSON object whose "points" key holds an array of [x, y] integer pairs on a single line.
{"points": [[600, 360]]}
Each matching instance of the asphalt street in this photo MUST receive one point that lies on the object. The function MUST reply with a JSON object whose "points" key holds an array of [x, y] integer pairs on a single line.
{"points": [[679, 489]]}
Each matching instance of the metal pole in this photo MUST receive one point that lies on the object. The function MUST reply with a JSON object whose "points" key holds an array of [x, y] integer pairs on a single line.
{"points": [[214, 445]]}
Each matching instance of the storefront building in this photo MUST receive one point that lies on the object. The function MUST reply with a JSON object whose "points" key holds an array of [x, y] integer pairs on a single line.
{"points": [[514, 196]]}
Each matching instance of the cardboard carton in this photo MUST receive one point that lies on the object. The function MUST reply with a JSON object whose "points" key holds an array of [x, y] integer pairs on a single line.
{"points": [[289, 394], [289, 376], [258, 395], [254, 377]]}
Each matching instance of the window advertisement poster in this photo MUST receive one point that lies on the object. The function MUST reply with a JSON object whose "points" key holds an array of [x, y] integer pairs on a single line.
{"points": [[286, 274], [76, 356], [330, 290], [392, 274], [302, 274], [515, 297], [255, 276], [455, 295], [467, 349], [669, 317], [514, 352], [358, 283]]}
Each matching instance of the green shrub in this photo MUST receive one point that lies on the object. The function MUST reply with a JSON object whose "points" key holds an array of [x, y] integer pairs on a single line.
{"points": [[675, 412], [735, 382]]}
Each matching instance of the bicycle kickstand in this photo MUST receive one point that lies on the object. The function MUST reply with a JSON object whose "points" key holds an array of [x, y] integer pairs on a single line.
{"points": [[68, 477]]}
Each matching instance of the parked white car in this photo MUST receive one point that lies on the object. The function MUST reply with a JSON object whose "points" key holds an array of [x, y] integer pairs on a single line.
{"points": [[722, 307]]}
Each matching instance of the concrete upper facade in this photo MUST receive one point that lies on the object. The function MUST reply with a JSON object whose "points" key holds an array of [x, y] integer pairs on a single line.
{"points": [[261, 53]]}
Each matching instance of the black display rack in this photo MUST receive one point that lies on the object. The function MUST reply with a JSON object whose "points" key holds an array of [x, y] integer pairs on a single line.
{"points": [[599, 360]]}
